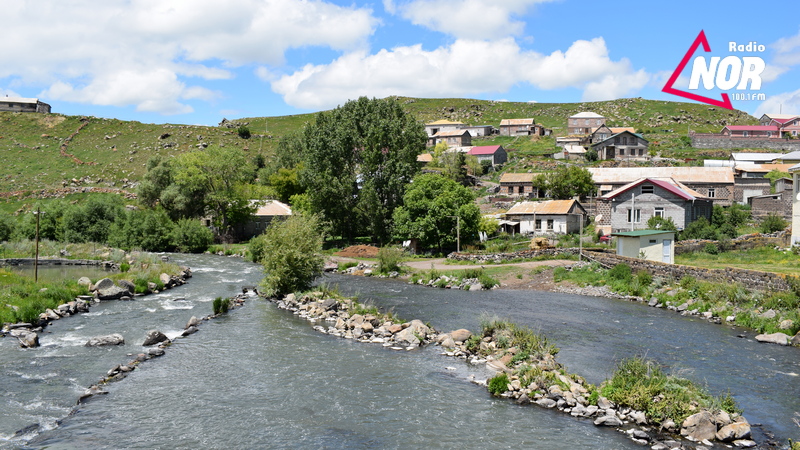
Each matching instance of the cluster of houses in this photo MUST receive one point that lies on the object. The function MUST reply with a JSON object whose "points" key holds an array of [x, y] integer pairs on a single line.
{"points": [[774, 131], [588, 131]]}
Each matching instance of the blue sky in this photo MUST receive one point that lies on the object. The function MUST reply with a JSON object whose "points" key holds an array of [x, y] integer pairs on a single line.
{"points": [[197, 61]]}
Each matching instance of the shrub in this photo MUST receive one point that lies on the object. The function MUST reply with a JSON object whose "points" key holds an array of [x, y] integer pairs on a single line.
{"points": [[190, 236], [621, 272], [124, 267], [6, 227], [221, 305], [487, 282], [243, 131], [711, 248], [473, 273], [389, 259], [773, 223], [292, 254], [498, 384]]}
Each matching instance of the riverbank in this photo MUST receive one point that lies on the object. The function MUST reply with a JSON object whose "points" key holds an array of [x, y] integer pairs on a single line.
{"points": [[529, 374]]}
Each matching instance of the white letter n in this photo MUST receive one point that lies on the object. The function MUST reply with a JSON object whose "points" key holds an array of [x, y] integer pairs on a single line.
{"points": [[700, 70]]}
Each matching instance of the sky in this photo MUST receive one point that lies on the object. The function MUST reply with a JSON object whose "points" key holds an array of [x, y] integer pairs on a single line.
{"points": [[199, 61]]}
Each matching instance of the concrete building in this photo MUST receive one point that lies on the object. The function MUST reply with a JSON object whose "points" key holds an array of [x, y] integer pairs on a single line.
{"points": [[584, 123], [17, 104], [652, 245], [548, 217]]}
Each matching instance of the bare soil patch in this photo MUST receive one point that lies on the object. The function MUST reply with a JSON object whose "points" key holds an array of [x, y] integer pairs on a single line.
{"points": [[359, 251]]}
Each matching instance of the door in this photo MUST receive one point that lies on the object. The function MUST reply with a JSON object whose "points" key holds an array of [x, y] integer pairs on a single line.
{"points": [[666, 251]]}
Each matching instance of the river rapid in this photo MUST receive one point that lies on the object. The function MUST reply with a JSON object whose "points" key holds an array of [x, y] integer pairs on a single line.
{"points": [[260, 377]]}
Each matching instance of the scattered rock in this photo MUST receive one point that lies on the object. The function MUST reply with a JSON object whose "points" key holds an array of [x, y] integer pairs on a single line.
{"points": [[111, 339], [26, 337], [460, 335], [774, 338], [699, 426], [154, 337], [734, 431]]}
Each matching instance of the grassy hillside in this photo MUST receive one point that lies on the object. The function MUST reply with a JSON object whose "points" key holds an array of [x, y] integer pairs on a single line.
{"points": [[52, 151]]}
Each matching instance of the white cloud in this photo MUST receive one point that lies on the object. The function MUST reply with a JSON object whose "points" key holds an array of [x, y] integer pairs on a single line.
{"points": [[466, 19], [464, 68], [788, 102], [145, 53]]}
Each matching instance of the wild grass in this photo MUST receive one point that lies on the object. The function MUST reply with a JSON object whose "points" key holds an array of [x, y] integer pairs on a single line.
{"points": [[641, 384], [508, 334], [22, 300], [766, 259]]}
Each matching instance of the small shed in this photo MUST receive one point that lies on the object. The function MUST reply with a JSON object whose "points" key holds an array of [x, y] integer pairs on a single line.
{"points": [[652, 245], [495, 154]]}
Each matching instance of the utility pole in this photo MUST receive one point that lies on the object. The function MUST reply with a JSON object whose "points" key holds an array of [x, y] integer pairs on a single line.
{"points": [[580, 239], [36, 258], [458, 233]]}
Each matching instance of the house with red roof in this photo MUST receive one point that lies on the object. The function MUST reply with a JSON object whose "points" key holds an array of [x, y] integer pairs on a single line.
{"points": [[495, 154], [788, 124], [762, 131], [629, 207]]}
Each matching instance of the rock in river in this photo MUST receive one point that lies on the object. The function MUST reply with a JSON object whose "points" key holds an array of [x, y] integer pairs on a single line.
{"points": [[111, 339]]}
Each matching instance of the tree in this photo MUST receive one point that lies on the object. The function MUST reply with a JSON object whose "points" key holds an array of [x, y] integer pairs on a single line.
{"points": [[772, 223], [358, 159], [291, 252], [568, 181], [661, 223], [90, 220], [6, 227], [148, 229], [430, 205]]}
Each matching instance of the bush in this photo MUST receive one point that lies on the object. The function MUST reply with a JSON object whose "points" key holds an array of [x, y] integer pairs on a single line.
{"points": [[711, 248], [190, 236], [221, 305], [6, 227], [292, 255], [773, 223], [487, 282], [243, 131], [124, 267], [389, 259], [498, 384], [620, 272]]}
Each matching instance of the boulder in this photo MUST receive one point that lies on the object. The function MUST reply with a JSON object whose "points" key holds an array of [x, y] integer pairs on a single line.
{"points": [[546, 402], [127, 285], [786, 324], [154, 337], [734, 431], [104, 283], [165, 279], [193, 322], [414, 334], [190, 330], [112, 292], [111, 339], [768, 314], [604, 403], [774, 338], [796, 339], [699, 426], [448, 342], [744, 443], [154, 352], [26, 337], [329, 304], [608, 421], [460, 335], [84, 281]]}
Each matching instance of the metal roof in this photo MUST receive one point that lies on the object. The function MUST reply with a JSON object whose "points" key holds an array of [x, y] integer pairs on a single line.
{"points": [[451, 133], [274, 208], [511, 122], [752, 156], [484, 150], [668, 184], [19, 100], [792, 155], [546, 207], [751, 127], [794, 168], [517, 178], [763, 168], [444, 122], [640, 233], [619, 175], [617, 134], [587, 115]]}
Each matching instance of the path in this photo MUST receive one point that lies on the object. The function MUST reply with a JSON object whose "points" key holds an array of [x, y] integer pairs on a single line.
{"points": [[439, 263]]}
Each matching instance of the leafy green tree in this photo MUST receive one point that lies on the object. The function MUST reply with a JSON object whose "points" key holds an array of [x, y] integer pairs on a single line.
{"points": [[286, 182], [291, 252], [454, 166], [50, 222], [661, 223], [474, 166], [147, 229], [773, 223], [90, 220], [568, 181], [358, 159], [243, 131], [699, 229], [190, 236], [430, 206], [7, 225]]}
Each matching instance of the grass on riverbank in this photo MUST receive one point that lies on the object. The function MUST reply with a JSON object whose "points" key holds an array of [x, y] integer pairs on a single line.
{"points": [[22, 300], [749, 307], [766, 259]]}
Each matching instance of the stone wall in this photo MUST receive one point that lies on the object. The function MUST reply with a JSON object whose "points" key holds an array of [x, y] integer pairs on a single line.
{"points": [[58, 262], [502, 257], [750, 278], [719, 141]]}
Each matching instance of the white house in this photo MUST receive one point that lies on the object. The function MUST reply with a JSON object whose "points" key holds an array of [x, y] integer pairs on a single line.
{"points": [[652, 245], [548, 217]]}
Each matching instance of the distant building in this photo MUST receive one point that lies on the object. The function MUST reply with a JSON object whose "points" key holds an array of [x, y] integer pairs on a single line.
{"points": [[517, 127], [548, 217], [584, 123], [716, 183], [652, 245], [442, 125], [495, 154], [17, 104], [262, 217], [454, 138], [624, 145], [517, 184]]}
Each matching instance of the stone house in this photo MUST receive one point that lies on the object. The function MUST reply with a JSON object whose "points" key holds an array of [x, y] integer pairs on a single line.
{"points": [[750, 180], [778, 203], [17, 104], [442, 125], [495, 154], [517, 127], [584, 123], [480, 130], [547, 217], [518, 184], [624, 145], [788, 124], [604, 132], [631, 206], [716, 183], [455, 138], [795, 171]]}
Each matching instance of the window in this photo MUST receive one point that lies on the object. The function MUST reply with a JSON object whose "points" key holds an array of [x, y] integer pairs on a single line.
{"points": [[647, 189], [659, 211], [538, 224], [521, 189], [511, 189], [652, 241], [622, 152], [634, 215], [616, 140], [745, 133], [712, 192], [549, 224]]}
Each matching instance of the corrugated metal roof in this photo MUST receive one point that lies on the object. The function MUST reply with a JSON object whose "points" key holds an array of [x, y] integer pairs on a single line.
{"points": [[19, 100], [444, 122], [546, 207], [587, 115], [511, 122], [763, 168], [640, 233], [751, 127], [751, 156], [781, 116], [274, 208], [617, 175], [792, 155], [794, 168], [451, 133], [425, 157], [517, 178], [484, 150], [668, 184], [621, 129]]}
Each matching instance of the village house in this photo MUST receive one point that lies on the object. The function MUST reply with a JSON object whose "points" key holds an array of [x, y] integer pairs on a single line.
{"points": [[266, 212], [17, 104], [716, 183], [750, 180], [584, 123], [518, 184], [795, 171], [791, 158], [604, 132], [778, 203], [624, 145], [480, 130], [548, 217], [631, 206], [517, 127], [495, 154], [442, 125], [787, 124], [775, 131], [652, 245], [455, 138]]}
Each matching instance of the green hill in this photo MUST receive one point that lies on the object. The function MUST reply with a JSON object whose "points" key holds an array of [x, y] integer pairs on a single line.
{"points": [[51, 151]]}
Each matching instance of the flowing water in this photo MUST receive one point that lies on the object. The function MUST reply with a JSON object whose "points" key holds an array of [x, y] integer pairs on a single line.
{"points": [[262, 378]]}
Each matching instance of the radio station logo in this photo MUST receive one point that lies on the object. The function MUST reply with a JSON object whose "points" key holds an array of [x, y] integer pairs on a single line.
{"points": [[733, 72]]}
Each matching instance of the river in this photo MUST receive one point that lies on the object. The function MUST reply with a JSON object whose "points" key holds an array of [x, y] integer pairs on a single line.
{"points": [[262, 378]]}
